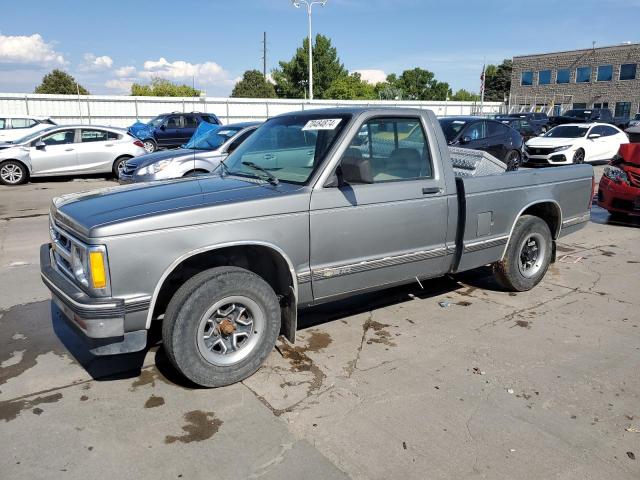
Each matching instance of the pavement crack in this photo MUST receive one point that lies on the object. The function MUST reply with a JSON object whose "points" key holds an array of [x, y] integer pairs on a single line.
{"points": [[352, 365]]}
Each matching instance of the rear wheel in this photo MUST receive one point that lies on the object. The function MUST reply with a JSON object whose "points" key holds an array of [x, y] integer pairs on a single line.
{"points": [[13, 172], [578, 157], [513, 160], [220, 326], [118, 166], [527, 257], [149, 145]]}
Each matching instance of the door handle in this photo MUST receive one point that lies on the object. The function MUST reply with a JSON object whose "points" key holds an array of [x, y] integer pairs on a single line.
{"points": [[109, 145], [430, 190], [68, 149]]}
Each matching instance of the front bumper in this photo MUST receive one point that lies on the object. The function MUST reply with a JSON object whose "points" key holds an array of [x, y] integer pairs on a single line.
{"points": [[99, 321], [563, 157], [618, 197]]}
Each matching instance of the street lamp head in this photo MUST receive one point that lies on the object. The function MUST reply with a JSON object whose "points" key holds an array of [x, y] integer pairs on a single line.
{"points": [[295, 3]]}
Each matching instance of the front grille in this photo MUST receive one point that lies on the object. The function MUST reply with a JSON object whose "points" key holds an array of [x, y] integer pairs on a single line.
{"points": [[622, 204], [539, 151], [634, 178], [61, 246]]}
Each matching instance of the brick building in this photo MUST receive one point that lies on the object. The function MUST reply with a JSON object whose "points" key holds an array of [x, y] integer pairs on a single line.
{"points": [[605, 77]]}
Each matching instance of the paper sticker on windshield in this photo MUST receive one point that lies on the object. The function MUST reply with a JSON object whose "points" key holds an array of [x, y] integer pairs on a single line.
{"points": [[322, 124]]}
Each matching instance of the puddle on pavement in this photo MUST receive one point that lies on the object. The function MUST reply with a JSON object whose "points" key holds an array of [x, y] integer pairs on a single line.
{"points": [[11, 409], [300, 362], [318, 340], [380, 334], [523, 323], [200, 426]]}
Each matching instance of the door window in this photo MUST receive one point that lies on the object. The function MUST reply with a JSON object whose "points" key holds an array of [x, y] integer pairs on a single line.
{"points": [[476, 131], [396, 148], [173, 122], [22, 123], [236, 143], [2, 123], [190, 122], [495, 129], [94, 136], [599, 130], [61, 137], [609, 131]]}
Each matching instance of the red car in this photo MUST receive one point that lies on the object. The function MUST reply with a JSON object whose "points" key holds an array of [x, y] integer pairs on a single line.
{"points": [[619, 190]]}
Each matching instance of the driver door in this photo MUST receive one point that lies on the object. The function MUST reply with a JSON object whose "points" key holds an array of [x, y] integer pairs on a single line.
{"points": [[58, 156], [387, 231]]}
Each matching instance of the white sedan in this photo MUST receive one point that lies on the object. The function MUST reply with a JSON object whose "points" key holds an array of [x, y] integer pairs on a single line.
{"points": [[575, 143], [13, 127], [67, 150]]}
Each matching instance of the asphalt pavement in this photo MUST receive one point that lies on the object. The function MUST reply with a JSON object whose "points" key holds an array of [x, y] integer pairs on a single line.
{"points": [[454, 380]]}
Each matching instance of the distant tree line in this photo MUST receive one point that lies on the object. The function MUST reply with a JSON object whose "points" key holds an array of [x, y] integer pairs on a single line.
{"points": [[331, 80]]}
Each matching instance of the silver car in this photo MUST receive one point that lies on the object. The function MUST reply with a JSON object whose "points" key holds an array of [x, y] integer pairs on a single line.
{"points": [[67, 150], [199, 156]]}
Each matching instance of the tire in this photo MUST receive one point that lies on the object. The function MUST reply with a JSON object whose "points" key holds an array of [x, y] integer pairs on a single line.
{"points": [[150, 145], [512, 160], [13, 173], [525, 264], [118, 165], [193, 330], [578, 157]]}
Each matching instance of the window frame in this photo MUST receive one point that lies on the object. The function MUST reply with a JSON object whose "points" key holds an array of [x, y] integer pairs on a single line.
{"points": [[550, 72], [49, 134], [610, 79], [628, 109], [578, 69], [522, 77], [635, 72], [558, 71]]}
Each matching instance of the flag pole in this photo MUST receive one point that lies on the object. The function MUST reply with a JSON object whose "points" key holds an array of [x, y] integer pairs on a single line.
{"points": [[482, 75]]}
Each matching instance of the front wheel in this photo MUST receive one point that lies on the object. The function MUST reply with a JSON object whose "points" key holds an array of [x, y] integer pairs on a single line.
{"points": [[150, 145], [118, 166], [13, 173], [221, 325], [578, 157], [513, 160], [527, 257]]}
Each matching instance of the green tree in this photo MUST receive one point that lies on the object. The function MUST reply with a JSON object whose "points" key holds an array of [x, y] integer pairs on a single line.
{"points": [[292, 76], [497, 81], [61, 83], [419, 84], [159, 87], [463, 95], [351, 87], [253, 85]]}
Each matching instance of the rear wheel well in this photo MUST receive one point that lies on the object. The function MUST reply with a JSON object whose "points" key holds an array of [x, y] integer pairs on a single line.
{"points": [[195, 171], [549, 212], [259, 259]]}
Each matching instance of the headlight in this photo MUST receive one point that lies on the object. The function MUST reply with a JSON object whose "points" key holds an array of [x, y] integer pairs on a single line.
{"points": [[616, 174], [154, 167], [90, 269], [564, 147]]}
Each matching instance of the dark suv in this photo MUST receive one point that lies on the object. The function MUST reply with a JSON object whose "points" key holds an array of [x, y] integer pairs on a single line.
{"points": [[583, 115], [539, 120], [170, 130]]}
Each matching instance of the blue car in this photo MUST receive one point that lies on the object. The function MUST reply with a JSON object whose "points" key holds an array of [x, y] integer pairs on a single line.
{"points": [[170, 130]]}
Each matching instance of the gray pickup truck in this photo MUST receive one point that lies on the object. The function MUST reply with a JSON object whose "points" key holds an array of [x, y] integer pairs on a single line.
{"points": [[314, 206]]}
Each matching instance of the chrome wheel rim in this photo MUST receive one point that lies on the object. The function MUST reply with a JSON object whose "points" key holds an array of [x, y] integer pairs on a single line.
{"points": [[11, 173], [148, 146], [533, 250], [230, 330], [120, 167]]}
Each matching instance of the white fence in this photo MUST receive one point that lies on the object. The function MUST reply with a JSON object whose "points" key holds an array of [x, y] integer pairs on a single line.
{"points": [[124, 110]]}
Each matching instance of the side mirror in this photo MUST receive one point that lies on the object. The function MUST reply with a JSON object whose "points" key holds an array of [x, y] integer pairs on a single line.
{"points": [[593, 136], [465, 139], [354, 170], [40, 145], [163, 127]]}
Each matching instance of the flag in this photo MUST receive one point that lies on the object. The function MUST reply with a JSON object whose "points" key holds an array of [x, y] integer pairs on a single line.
{"points": [[482, 80]]}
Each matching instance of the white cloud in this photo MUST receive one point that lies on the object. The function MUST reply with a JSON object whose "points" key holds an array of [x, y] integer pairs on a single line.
{"points": [[204, 73], [372, 76], [91, 62], [28, 50], [122, 86], [127, 71]]}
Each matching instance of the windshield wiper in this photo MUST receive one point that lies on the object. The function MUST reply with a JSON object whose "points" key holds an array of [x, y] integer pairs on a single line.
{"points": [[273, 180], [225, 168]]}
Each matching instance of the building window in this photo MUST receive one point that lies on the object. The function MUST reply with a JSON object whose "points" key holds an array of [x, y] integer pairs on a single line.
{"points": [[628, 71], [527, 78], [579, 105], [623, 109], [601, 105], [544, 77], [563, 76], [605, 73], [583, 75]]}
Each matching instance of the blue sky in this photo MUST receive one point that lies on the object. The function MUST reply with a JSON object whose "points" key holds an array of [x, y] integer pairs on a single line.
{"points": [[108, 45]]}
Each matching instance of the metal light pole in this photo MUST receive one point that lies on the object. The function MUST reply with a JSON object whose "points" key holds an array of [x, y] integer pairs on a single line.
{"points": [[309, 4]]}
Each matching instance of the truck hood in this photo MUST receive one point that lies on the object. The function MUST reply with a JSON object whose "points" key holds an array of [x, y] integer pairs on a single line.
{"points": [[542, 142], [165, 204]]}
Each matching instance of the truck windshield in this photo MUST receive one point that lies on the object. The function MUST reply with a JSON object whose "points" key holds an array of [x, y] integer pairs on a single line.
{"points": [[155, 122], [289, 148], [567, 131], [213, 138]]}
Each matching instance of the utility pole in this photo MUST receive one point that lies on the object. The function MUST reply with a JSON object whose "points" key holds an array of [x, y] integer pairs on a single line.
{"points": [[309, 4], [264, 54]]}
